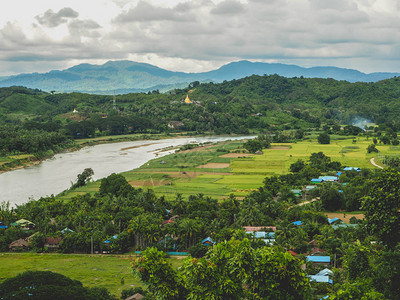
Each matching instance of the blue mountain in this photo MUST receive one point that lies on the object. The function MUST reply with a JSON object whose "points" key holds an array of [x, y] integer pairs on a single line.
{"points": [[128, 76]]}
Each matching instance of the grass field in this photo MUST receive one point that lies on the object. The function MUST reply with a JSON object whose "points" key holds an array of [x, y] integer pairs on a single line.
{"points": [[213, 171], [110, 271]]}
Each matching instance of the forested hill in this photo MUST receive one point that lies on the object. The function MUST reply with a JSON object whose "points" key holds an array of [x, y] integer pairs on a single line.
{"points": [[130, 77], [252, 103]]}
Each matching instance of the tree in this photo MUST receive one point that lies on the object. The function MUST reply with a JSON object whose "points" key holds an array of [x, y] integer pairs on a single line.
{"points": [[39, 285], [115, 184], [324, 138], [159, 276], [83, 178], [372, 148], [230, 270], [330, 197], [382, 207], [297, 166]]}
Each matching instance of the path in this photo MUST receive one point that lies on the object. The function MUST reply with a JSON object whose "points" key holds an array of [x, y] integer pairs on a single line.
{"points": [[305, 202], [372, 160]]}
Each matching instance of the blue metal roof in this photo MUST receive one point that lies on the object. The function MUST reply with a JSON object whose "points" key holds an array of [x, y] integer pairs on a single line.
{"points": [[320, 278], [319, 259], [316, 180], [330, 221], [298, 223], [352, 168], [328, 178], [207, 240]]}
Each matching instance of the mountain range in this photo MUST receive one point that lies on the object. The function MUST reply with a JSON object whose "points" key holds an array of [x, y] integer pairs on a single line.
{"points": [[130, 77]]}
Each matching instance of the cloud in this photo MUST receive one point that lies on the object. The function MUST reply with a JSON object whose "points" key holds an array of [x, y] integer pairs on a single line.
{"points": [[228, 7], [52, 19], [146, 12], [346, 33]]}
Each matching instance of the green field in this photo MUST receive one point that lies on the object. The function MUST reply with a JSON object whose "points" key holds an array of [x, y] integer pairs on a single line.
{"points": [[180, 172], [108, 271]]}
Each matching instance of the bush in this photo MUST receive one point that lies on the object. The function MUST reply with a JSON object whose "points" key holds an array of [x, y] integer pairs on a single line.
{"points": [[372, 148], [324, 138]]}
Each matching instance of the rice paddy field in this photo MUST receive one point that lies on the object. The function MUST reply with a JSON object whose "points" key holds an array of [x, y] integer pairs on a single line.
{"points": [[222, 169]]}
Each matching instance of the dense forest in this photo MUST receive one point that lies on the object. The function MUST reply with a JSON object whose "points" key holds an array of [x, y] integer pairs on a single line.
{"points": [[257, 104]]}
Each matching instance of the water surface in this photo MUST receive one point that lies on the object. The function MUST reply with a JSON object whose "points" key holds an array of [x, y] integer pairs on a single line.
{"points": [[54, 175]]}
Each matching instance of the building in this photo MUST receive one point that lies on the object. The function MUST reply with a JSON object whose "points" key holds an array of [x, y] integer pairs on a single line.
{"points": [[258, 228], [25, 224], [52, 244], [187, 100], [208, 241], [352, 169], [319, 260], [19, 245], [174, 124]]}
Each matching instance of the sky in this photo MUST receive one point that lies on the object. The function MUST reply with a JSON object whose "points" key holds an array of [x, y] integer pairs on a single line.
{"points": [[199, 35]]}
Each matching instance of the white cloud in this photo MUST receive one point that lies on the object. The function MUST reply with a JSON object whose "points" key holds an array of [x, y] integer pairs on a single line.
{"points": [[52, 19], [197, 35]]}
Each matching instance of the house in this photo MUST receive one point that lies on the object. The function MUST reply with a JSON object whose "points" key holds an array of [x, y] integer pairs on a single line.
{"points": [[292, 252], [52, 243], [344, 225], [267, 237], [19, 245], [25, 224], [296, 192], [328, 178], [310, 187], [319, 260], [259, 228], [316, 180], [137, 296], [66, 230], [3, 226], [208, 242], [319, 279], [174, 124], [325, 272], [297, 223], [334, 220], [352, 169], [317, 251]]}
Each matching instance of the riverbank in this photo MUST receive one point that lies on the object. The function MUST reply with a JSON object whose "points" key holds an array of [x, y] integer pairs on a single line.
{"points": [[62, 169], [15, 162]]}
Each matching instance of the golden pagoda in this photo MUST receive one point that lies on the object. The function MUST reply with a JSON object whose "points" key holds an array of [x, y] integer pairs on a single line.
{"points": [[187, 100]]}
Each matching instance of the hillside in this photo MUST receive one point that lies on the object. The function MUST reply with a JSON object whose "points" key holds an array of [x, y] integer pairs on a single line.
{"points": [[124, 77], [232, 106]]}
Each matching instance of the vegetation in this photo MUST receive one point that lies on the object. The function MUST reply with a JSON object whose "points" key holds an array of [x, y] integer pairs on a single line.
{"points": [[230, 270], [48, 285], [119, 216]]}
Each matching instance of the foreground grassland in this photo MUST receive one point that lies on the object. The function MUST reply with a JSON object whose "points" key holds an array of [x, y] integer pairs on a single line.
{"points": [[215, 171], [113, 272]]}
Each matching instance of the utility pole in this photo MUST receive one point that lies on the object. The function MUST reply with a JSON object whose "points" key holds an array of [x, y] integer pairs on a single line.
{"points": [[114, 102]]}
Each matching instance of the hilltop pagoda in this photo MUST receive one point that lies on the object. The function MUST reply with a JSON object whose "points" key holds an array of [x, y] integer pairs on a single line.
{"points": [[187, 100]]}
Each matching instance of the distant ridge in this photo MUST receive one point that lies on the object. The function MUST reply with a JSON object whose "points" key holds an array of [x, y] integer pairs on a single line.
{"points": [[128, 77]]}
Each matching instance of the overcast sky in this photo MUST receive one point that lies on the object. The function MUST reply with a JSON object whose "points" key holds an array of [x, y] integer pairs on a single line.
{"points": [[199, 35]]}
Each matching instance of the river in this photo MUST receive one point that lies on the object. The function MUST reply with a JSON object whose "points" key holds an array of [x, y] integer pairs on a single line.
{"points": [[56, 174]]}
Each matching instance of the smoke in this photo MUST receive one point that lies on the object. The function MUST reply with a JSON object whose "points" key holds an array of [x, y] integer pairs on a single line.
{"points": [[361, 122]]}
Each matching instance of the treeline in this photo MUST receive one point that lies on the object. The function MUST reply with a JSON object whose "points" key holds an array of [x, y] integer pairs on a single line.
{"points": [[16, 140], [255, 103]]}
